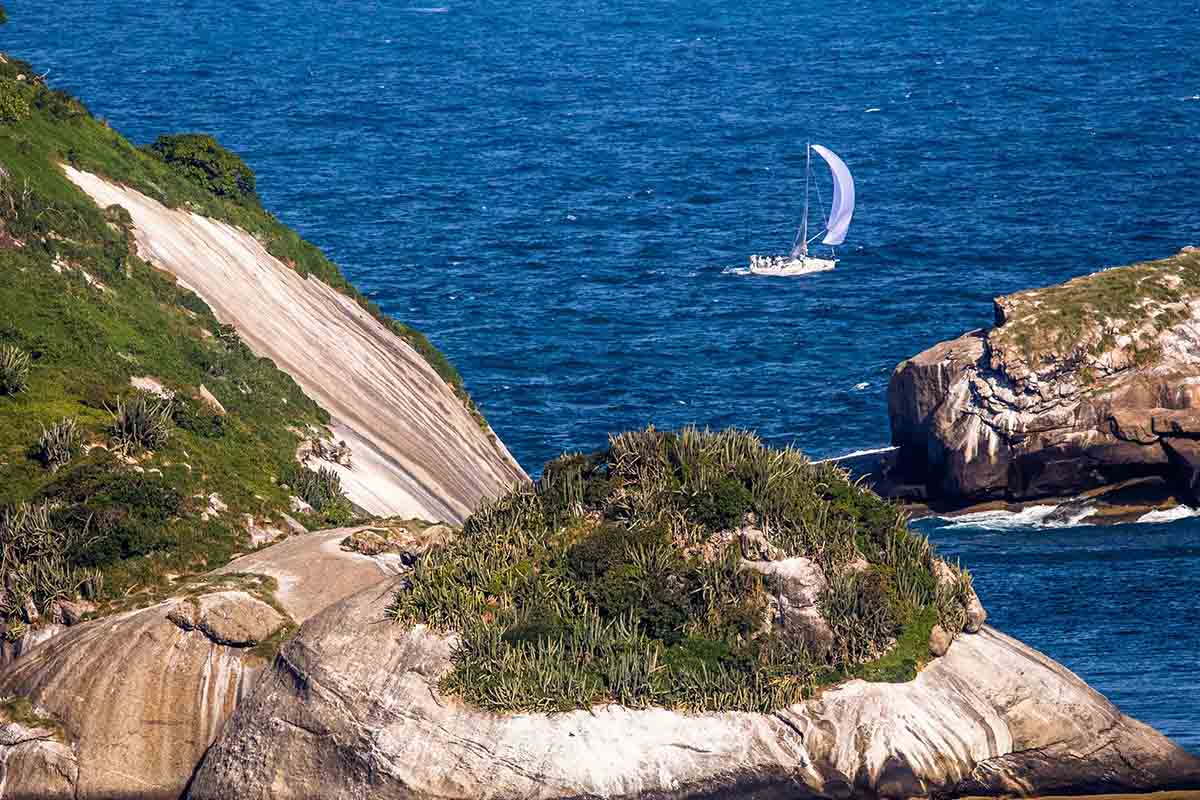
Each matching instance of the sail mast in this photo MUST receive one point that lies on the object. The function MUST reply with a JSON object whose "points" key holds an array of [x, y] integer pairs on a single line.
{"points": [[807, 173]]}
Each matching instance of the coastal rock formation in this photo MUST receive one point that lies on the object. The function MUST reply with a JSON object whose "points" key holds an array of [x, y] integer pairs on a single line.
{"points": [[142, 694], [417, 451], [351, 709], [1077, 386]]}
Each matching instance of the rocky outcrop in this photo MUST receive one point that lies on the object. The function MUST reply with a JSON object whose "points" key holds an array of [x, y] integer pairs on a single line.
{"points": [[1077, 386], [141, 695], [417, 451], [351, 710]]}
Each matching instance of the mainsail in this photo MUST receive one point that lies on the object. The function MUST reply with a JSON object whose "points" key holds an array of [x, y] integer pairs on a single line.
{"points": [[843, 197]]}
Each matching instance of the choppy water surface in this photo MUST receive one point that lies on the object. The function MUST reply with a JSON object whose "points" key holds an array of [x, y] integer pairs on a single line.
{"points": [[554, 191]]}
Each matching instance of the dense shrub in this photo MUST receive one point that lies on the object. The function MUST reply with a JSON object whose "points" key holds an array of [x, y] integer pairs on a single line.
{"points": [[142, 422], [202, 160], [126, 512], [58, 443], [14, 105], [36, 566], [197, 418], [618, 578], [14, 369]]}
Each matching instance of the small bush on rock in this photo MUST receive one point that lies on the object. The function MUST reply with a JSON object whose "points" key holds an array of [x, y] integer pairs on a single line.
{"points": [[322, 490]]}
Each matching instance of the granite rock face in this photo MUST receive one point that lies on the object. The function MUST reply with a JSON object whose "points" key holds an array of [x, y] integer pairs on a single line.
{"points": [[1077, 386], [350, 709], [416, 450], [141, 695]]}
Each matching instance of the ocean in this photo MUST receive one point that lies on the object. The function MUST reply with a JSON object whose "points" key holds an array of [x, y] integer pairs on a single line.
{"points": [[561, 194]]}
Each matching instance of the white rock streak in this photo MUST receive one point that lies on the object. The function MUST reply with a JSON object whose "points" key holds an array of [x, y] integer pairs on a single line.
{"points": [[417, 452]]}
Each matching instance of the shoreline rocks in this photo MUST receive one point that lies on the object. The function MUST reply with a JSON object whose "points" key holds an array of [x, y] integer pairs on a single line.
{"points": [[1084, 385], [351, 709]]}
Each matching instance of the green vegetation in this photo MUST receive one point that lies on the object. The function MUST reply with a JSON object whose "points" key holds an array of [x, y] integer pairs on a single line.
{"points": [[121, 479], [204, 162], [58, 444], [141, 423], [36, 563], [1086, 316], [80, 315], [618, 578], [14, 369]]}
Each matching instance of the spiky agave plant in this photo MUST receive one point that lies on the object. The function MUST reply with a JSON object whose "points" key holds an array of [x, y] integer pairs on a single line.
{"points": [[14, 369], [35, 562], [144, 422], [58, 443]]}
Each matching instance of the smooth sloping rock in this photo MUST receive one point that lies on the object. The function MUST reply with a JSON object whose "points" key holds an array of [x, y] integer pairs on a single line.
{"points": [[1032, 408], [140, 696], [313, 571], [350, 710], [417, 452]]}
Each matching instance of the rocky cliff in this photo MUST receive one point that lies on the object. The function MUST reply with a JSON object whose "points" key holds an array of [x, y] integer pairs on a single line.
{"points": [[1076, 386]]}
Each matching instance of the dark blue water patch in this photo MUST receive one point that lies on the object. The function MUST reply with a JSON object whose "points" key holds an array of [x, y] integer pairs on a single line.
{"points": [[555, 193]]}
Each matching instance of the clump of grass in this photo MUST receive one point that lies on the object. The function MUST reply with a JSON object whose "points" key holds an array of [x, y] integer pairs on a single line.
{"points": [[14, 370], [35, 563], [58, 443], [1077, 321], [322, 490], [144, 422], [616, 579]]}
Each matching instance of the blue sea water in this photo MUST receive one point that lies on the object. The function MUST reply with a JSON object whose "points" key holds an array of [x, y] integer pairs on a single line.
{"points": [[555, 192]]}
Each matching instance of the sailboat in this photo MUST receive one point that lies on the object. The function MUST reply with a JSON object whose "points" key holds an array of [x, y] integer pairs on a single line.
{"points": [[799, 262]]}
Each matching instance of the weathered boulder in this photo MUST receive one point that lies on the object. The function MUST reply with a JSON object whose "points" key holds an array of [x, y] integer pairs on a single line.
{"points": [[795, 585], [142, 694], [351, 709], [1077, 386], [34, 762]]}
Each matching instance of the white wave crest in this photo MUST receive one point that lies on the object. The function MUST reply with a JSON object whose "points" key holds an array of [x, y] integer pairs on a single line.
{"points": [[1047, 516], [1169, 514], [857, 453]]}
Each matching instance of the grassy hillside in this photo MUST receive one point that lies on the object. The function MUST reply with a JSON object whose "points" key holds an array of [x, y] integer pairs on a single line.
{"points": [[104, 490]]}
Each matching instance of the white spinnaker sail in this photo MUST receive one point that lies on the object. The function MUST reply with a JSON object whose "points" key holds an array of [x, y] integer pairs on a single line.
{"points": [[843, 197]]}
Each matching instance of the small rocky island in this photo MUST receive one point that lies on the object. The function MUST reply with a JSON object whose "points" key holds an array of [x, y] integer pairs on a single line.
{"points": [[228, 569], [1088, 385]]}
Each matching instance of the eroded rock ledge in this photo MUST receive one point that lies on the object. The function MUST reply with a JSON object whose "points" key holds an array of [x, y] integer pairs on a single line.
{"points": [[1081, 385]]}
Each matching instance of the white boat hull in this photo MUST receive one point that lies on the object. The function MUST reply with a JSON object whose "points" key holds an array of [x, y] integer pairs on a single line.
{"points": [[790, 267]]}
